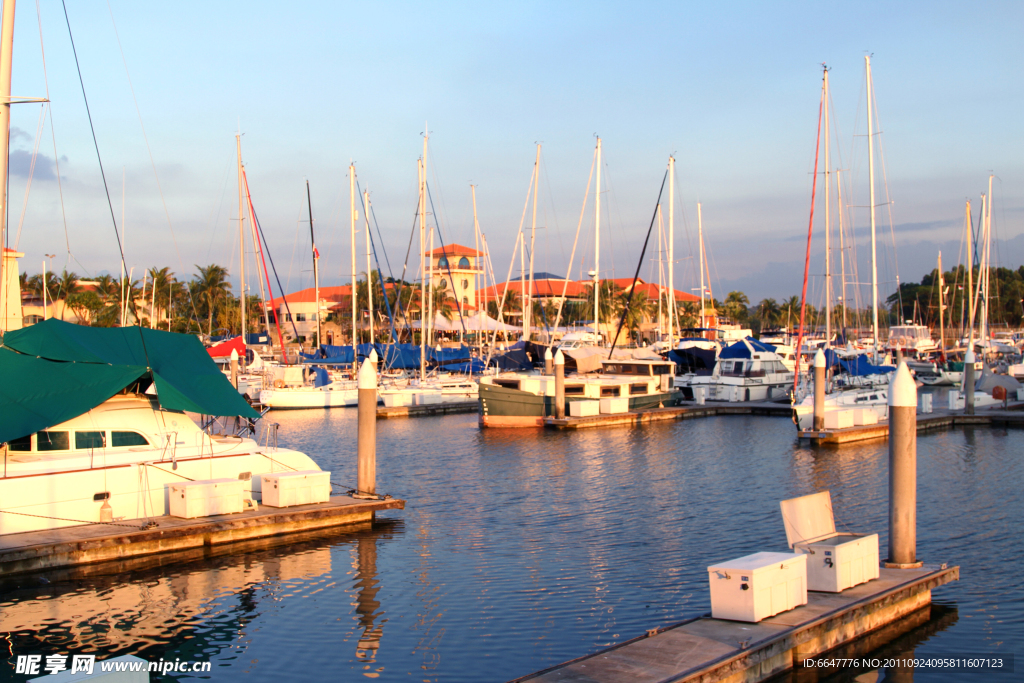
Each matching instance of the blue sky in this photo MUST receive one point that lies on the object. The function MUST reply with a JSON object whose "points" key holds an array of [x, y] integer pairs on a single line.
{"points": [[731, 89]]}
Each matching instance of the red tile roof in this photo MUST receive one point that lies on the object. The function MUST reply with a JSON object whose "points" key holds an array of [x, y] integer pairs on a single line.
{"points": [[455, 250]]}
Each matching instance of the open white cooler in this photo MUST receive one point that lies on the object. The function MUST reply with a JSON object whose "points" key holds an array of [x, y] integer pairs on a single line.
{"points": [[836, 561], [758, 586], [614, 406], [284, 489], [190, 499], [584, 408]]}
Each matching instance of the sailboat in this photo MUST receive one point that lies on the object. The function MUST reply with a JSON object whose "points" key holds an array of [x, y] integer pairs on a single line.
{"points": [[94, 426]]}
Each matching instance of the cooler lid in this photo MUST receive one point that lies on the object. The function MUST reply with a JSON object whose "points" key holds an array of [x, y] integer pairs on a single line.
{"points": [[808, 517]]}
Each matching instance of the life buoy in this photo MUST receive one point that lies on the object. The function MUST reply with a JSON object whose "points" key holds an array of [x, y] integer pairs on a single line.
{"points": [[279, 383]]}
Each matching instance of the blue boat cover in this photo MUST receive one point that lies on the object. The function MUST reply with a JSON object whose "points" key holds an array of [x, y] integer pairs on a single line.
{"points": [[860, 366], [474, 366], [320, 377], [338, 354], [443, 356], [692, 359], [740, 350], [512, 360]]}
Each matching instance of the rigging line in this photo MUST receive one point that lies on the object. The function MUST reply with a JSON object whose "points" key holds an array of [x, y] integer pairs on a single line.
{"points": [[807, 257], [145, 137], [572, 255], [380, 272], [31, 172], [266, 250], [636, 275], [103, 175], [458, 304]]}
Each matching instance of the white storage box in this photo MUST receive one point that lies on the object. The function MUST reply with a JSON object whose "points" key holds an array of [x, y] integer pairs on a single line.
{"points": [[838, 419], [835, 561], [757, 586], [190, 499], [954, 399], [397, 399], [427, 398], [614, 406], [864, 416], [926, 403], [584, 408], [284, 489]]}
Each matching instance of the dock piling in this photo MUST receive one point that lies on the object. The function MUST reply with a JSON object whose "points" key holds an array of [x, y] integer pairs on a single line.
{"points": [[902, 471], [819, 391], [366, 439], [548, 361], [234, 368], [559, 363], [968, 382]]}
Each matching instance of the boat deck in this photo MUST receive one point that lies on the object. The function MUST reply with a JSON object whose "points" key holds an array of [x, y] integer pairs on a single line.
{"points": [[89, 543], [1012, 416], [384, 412], [707, 650], [683, 412]]}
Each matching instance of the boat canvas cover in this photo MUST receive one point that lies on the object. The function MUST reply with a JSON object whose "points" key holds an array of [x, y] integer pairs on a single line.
{"points": [[589, 358], [745, 348], [225, 348], [54, 371], [861, 367], [692, 359]]}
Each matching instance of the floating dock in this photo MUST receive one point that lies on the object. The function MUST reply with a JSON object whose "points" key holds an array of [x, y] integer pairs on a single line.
{"points": [[709, 650], [384, 413], [89, 543], [926, 422], [685, 412]]}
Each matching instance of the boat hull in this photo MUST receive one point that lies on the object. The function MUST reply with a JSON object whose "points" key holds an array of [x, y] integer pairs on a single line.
{"points": [[308, 397], [505, 407]]}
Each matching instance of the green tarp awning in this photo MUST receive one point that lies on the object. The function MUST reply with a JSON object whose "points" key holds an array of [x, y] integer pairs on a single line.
{"points": [[54, 371]]}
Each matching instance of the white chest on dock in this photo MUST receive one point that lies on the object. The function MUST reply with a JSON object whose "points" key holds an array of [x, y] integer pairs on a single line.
{"points": [[284, 489], [757, 586], [835, 561], [193, 499]]}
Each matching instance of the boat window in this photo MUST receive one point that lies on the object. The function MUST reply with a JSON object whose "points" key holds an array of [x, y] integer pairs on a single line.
{"points": [[52, 441], [573, 389], [23, 443], [661, 370], [507, 383], [638, 388], [610, 391], [84, 440], [118, 439]]}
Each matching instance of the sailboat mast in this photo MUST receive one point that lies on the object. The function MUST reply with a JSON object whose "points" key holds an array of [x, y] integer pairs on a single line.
{"points": [[942, 308], [700, 249], [479, 278], [597, 247], [528, 319], [524, 296], [828, 223], [988, 257], [6, 57], [842, 246], [369, 262], [241, 241], [671, 252], [352, 228], [423, 271], [970, 274], [316, 266], [871, 183]]}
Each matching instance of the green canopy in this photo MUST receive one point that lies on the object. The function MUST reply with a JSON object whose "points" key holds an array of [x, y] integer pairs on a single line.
{"points": [[54, 371]]}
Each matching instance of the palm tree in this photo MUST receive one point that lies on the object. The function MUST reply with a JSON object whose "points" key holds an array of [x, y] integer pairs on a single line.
{"points": [[212, 288], [68, 287], [637, 310], [610, 301], [790, 309], [162, 279], [736, 306], [768, 312]]}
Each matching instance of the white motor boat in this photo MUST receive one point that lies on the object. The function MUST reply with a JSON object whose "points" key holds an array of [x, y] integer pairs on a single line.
{"points": [[745, 371]]}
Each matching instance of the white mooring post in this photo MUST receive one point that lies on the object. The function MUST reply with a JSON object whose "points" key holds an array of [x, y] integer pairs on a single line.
{"points": [[559, 363], [234, 368], [968, 384], [902, 471], [548, 361], [819, 391], [366, 439]]}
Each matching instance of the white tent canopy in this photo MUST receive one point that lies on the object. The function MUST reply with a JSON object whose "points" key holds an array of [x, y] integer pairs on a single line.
{"points": [[472, 324]]}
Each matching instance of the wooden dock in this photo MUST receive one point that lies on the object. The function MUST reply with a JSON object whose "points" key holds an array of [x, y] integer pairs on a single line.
{"points": [[684, 412], [939, 419], [384, 413], [89, 543], [709, 650]]}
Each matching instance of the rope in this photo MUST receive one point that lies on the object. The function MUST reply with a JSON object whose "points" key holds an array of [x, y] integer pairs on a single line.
{"points": [[80, 521]]}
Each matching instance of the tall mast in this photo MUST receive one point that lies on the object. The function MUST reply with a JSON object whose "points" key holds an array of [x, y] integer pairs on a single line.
{"points": [[241, 239], [842, 247], [369, 262], [597, 246], [316, 266], [6, 56], [700, 249], [871, 182], [430, 247], [352, 226], [828, 224], [671, 252], [524, 298], [528, 314], [942, 308], [988, 258], [970, 275], [479, 279], [423, 270]]}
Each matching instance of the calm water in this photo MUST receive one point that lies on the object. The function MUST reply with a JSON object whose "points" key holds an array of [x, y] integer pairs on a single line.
{"points": [[522, 549]]}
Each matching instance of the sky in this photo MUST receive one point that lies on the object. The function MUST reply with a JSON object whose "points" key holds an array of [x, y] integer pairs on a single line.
{"points": [[732, 90]]}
